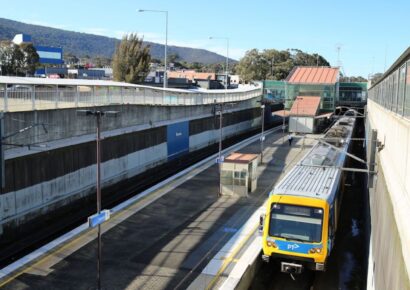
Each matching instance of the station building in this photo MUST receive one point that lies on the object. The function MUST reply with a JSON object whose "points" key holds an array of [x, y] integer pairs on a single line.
{"points": [[311, 94]]}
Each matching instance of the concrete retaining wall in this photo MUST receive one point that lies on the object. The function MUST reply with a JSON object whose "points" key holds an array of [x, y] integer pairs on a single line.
{"points": [[52, 179], [389, 261], [64, 123]]}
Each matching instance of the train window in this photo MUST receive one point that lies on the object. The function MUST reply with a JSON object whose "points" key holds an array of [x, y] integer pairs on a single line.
{"points": [[296, 222], [226, 177]]}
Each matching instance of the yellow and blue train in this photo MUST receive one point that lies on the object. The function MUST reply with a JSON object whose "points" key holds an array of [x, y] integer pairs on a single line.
{"points": [[302, 211]]}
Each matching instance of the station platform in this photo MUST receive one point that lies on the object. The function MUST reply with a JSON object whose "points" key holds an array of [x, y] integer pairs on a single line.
{"points": [[177, 235]]}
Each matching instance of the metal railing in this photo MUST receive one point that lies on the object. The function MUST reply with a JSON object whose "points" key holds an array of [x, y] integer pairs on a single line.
{"points": [[38, 97], [393, 91]]}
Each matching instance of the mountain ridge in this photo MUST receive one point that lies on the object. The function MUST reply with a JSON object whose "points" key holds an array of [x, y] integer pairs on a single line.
{"points": [[82, 44]]}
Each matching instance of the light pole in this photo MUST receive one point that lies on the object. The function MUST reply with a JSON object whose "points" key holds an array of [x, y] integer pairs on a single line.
{"points": [[98, 115], [166, 41], [263, 123], [283, 125], [227, 58], [218, 110]]}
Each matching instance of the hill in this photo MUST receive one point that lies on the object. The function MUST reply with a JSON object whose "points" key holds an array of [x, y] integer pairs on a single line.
{"points": [[82, 44]]}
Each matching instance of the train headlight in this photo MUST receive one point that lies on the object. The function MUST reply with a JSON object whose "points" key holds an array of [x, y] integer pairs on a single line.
{"points": [[315, 250], [271, 243]]}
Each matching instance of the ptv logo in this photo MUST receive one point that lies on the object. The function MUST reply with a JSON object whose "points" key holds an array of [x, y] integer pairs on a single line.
{"points": [[292, 246]]}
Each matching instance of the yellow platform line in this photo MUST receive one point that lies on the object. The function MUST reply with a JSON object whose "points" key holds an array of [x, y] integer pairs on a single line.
{"points": [[231, 258]]}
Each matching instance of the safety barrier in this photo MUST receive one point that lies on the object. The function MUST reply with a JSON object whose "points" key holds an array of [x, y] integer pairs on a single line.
{"points": [[39, 97]]}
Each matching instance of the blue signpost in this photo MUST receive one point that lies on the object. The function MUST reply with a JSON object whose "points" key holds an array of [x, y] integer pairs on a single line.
{"points": [[98, 218], [220, 160]]}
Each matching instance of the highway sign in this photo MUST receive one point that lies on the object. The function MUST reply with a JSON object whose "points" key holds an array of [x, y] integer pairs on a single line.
{"points": [[98, 218]]}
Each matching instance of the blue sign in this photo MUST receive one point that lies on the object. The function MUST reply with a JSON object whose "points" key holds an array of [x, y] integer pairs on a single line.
{"points": [[177, 139], [220, 160], [296, 247], [47, 54], [98, 218]]}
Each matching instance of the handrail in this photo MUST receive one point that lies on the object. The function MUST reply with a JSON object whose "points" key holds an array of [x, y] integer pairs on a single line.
{"points": [[39, 97]]}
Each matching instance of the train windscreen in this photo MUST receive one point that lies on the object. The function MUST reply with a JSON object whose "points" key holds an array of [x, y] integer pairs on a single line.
{"points": [[298, 223]]}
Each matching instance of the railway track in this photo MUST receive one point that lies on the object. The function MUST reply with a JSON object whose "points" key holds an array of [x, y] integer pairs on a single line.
{"points": [[351, 246]]}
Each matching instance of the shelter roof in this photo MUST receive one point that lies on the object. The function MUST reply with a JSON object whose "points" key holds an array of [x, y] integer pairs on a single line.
{"points": [[314, 75], [305, 106], [240, 158]]}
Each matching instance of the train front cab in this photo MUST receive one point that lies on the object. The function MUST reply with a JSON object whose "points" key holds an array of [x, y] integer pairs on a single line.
{"points": [[297, 232]]}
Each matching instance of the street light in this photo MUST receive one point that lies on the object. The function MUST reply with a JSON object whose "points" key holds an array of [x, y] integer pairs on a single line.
{"points": [[218, 110], [166, 40], [219, 107], [227, 58], [262, 136], [283, 125], [98, 115]]}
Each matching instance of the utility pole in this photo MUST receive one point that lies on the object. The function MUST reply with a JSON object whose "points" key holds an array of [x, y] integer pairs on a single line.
{"points": [[220, 147], [262, 135], [338, 47], [283, 125], [98, 115], [218, 109], [98, 120]]}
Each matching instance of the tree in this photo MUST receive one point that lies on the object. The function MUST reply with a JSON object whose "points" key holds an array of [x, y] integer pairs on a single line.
{"points": [[253, 66], [375, 78], [17, 60], [352, 79], [101, 61], [131, 60], [273, 64], [173, 57], [31, 58], [6, 56], [71, 59]]}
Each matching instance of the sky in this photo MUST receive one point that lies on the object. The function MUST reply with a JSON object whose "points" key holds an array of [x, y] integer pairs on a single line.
{"points": [[371, 35]]}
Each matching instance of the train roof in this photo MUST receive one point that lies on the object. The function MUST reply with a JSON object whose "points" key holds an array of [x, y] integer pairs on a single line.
{"points": [[317, 175]]}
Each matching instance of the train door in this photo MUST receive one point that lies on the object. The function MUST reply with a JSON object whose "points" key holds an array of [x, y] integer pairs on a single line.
{"points": [[332, 227]]}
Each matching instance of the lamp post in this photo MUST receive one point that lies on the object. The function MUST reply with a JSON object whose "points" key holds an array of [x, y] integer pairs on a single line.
{"points": [[227, 58], [218, 110], [166, 41], [98, 115], [283, 125]]}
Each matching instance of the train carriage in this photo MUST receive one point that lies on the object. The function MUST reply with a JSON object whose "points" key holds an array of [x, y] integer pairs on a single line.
{"points": [[302, 211]]}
